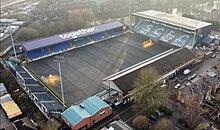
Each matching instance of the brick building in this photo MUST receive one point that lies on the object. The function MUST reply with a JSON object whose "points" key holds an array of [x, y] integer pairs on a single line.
{"points": [[86, 114]]}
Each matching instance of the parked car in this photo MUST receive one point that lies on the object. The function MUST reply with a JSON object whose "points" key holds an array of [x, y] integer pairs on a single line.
{"points": [[152, 117], [177, 86], [214, 55], [158, 113], [192, 77]]}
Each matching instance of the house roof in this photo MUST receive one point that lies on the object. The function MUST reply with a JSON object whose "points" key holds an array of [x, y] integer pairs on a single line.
{"points": [[2, 87], [11, 109], [94, 104], [75, 114], [5, 98], [162, 65], [86, 109]]}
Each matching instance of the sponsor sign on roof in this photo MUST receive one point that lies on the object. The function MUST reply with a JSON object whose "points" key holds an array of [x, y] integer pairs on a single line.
{"points": [[65, 37]]}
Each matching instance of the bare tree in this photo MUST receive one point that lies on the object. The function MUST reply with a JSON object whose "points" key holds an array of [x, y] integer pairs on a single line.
{"points": [[163, 124], [27, 33], [148, 92], [191, 112], [140, 122]]}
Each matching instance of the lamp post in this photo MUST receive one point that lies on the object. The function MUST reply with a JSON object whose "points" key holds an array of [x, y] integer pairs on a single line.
{"points": [[12, 41], [59, 60], [129, 11]]}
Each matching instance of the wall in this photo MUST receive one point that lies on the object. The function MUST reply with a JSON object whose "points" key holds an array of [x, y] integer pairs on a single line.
{"points": [[96, 118]]}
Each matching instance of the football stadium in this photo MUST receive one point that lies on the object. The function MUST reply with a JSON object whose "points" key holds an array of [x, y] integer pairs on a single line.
{"points": [[109, 52]]}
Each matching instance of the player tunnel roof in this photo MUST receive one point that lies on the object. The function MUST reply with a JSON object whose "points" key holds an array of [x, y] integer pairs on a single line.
{"points": [[64, 37]]}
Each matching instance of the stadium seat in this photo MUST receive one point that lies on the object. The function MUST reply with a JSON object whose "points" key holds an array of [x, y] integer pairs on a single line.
{"points": [[158, 32], [80, 42], [99, 36], [60, 47], [37, 53], [139, 25], [113, 33], [147, 29], [182, 39], [170, 35]]}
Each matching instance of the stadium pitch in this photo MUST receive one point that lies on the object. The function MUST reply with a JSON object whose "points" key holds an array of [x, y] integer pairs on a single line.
{"points": [[84, 68]]}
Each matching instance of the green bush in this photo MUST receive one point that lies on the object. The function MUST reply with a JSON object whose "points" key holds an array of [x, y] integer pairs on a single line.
{"points": [[166, 110]]}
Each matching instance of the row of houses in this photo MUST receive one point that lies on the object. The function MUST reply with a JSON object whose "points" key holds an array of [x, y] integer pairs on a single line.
{"points": [[202, 88]]}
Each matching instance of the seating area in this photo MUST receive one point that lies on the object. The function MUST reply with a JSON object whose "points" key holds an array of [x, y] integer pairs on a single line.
{"points": [[139, 26], [98, 36], [37, 53], [37, 92], [170, 35], [80, 42], [182, 39], [60, 47], [164, 33], [158, 32], [191, 43], [113, 33], [145, 30]]}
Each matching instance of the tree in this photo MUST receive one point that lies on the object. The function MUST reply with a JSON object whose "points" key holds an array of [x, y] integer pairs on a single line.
{"points": [[188, 16], [140, 122], [215, 24], [191, 112], [148, 92], [163, 124], [27, 33]]}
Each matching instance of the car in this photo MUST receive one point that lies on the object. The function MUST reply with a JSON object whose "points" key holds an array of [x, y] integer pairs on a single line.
{"points": [[152, 117], [177, 86], [192, 77], [214, 55], [158, 113]]}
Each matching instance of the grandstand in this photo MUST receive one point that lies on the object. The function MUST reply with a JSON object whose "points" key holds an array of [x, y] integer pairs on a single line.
{"points": [[55, 44], [174, 30]]}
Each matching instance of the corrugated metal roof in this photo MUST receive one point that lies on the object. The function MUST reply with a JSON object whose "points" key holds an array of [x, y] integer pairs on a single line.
{"points": [[5, 20], [49, 41], [2, 87], [75, 114], [94, 104], [5, 98], [208, 39], [184, 22], [11, 109]]}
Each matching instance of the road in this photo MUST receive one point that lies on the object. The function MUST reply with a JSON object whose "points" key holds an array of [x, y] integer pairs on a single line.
{"points": [[208, 64]]}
